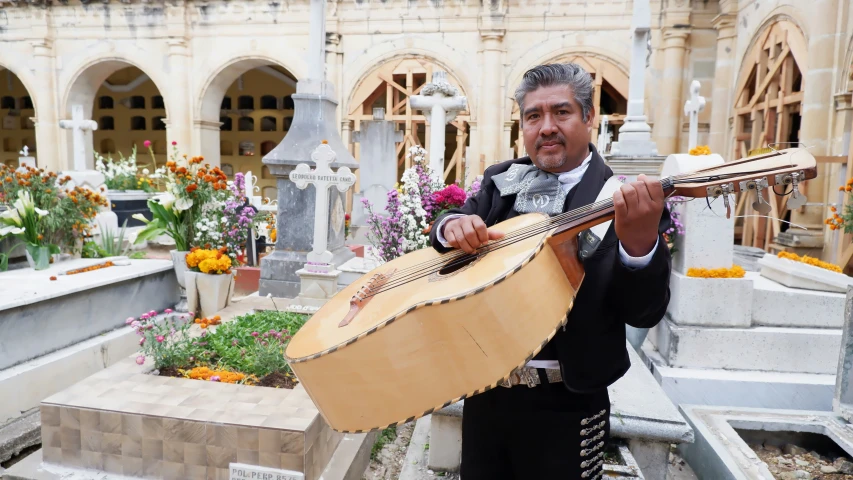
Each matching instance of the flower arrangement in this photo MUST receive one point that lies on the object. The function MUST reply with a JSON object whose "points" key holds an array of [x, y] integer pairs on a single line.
{"points": [[677, 228], [64, 213], [209, 261], [449, 197], [700, 150], [203, 323], [190, 189], [735, 272], [843, 221], [238, 217], [409, 212], [167, 342], [124, 174], [810, 261], [204, 373]]}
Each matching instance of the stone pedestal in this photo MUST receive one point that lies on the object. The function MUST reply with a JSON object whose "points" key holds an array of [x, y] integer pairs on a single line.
{"points": [[318, 283], [631, 166], [314, 122]]}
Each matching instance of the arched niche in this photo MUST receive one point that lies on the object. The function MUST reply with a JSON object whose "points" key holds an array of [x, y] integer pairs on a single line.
{"points": [[767, 112], [267, 147], [226, 148], [17, 127], [107, 146], [389, 86]]}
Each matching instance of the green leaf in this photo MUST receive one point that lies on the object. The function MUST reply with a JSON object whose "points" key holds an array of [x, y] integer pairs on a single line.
{"points": [[54, 249]]}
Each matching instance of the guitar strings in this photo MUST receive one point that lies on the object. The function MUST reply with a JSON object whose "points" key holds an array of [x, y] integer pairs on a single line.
{"points": [[456, 257]]}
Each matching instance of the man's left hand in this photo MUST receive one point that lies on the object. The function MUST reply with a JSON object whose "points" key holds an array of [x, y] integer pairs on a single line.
{"points": [[639, 206]]}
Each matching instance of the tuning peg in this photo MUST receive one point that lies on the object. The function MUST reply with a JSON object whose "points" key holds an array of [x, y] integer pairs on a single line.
{"points": [[760, 204], [797, 199], [725, 190]]}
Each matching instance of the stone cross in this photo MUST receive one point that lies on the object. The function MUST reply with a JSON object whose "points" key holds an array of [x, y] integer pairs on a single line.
{"points": [[25, 152], [443, 102], [635, 135], [603, 136], [251, 188], [378, 139], [692, 108], [322, 177], [78, 126]]}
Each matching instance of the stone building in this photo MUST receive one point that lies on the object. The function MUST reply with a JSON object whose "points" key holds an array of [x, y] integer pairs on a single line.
{"points": [[216, 76]]}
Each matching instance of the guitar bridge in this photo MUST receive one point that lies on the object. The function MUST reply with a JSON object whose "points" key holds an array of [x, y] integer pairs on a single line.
{"points": [[365, 294]]}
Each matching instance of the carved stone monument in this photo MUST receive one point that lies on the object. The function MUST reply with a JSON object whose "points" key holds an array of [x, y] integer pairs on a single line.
{"points": [[378, 139], [314, 121], [442, 102], [692, 108]]}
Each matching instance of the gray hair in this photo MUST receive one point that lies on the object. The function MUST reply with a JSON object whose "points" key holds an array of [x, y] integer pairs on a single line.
{"points": [[570, 74]]}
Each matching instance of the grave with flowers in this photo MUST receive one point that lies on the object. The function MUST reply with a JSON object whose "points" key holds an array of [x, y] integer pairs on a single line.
{"points": [[202, 396]]}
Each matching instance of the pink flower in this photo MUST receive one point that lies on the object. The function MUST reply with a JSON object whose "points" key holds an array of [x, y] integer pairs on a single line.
{"points": [[160, 338], [152, 313], [150, 327], [144, 316], [142, 340], [168, 310], [192, 359], [147, 143], [129, 320], [140, 360], [174, 143], [192, 314], [214, 378], [255, 334], [234, 342], [204, 333]]}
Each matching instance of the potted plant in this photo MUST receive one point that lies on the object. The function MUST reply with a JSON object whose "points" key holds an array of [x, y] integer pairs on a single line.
{"points": [[23, 221], [209, 280], [129, 187], [191, 188]]}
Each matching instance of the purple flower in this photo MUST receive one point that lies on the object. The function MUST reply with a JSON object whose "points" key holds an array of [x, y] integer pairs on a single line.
{"points": [[214, 378], [140, 360], [129, 320], [142, 340], [255, 334]]}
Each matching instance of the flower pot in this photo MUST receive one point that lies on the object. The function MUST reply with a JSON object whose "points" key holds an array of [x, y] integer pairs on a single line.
{"points": [[38, 257], [126, 203], [208, 294], [180, 261]]}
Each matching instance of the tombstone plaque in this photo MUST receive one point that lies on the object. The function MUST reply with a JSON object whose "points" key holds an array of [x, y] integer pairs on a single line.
{"points": [[378, 139]]}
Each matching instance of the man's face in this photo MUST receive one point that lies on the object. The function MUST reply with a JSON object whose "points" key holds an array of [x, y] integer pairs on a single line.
{"points": [[555, 134]]}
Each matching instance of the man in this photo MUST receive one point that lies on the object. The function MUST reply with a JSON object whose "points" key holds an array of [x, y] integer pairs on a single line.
{"points": [[558, 427]]}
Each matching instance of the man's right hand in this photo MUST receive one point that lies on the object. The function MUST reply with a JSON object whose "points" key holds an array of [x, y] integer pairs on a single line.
{"points": [[468, 233]]}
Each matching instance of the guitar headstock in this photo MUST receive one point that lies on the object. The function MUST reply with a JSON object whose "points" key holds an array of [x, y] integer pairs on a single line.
{"points": [[788, 167]]}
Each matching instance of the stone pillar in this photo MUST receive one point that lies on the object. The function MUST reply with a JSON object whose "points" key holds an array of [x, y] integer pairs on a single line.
{"points": [[816, 111], [669, 118], [724, 77], [178, 124], [334, 71], [490, 99], [44, 95], [506, 141]]}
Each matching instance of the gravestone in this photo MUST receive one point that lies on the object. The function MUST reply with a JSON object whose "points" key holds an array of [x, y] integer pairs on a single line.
{"points": [[25, 160], [443, 102], [692, 108], [83, 176], [319, 277], [314, 122], [378, 139]]}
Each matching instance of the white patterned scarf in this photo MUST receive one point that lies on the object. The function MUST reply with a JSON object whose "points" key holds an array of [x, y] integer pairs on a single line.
{"points": [[537, 190]]}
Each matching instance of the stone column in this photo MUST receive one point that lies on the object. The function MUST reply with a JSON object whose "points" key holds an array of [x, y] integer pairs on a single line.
{"points": [[178, 123], [47, 152], [725, 74], [490, 99], [669, 118], [817, 108], [334, 71]]}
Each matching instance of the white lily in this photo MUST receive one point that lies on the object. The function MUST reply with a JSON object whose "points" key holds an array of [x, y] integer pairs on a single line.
{"points": [[183, 204], [12, 215], [165, 199], [10, 230], [140, 217], [41, 212]]}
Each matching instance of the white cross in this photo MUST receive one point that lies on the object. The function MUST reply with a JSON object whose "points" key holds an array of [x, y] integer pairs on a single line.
{"points": [[25, 152], [443, 101], [251, 187], [692, 108], [603, 136], [322, 178], [78, 125]]}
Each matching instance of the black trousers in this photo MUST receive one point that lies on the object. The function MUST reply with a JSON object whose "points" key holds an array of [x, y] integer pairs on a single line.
{"points": [[540, 433]]}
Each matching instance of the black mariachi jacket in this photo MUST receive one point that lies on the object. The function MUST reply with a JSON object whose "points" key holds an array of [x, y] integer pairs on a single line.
{"points": [[591, 349]]}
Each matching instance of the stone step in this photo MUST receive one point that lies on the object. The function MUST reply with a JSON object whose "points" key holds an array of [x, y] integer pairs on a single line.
{"points": [[746, 388], [771, 349], [31, 382], [776, 305]]}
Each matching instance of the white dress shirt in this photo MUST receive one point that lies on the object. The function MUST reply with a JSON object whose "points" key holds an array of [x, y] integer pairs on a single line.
{"points": [[569, 180]]}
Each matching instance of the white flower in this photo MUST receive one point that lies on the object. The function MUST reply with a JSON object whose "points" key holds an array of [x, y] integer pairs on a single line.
{"points": [[41, 212], [183, 204], [166, 199], [140, 217], [11, 230], [145, 171], [11, 214]]}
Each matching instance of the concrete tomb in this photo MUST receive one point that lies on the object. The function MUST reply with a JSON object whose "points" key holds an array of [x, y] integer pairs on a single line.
{"points": [[378, 167]]}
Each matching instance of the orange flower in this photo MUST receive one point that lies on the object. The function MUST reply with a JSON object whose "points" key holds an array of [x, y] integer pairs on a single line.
{"points": [[191, 188], [833, 209]]}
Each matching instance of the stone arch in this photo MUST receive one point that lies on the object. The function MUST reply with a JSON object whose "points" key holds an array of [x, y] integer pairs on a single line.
{"points": [[768, 13], [768, 109], [15, 137], [454, 61], [88, 77], [212, 91], [403, 76]]}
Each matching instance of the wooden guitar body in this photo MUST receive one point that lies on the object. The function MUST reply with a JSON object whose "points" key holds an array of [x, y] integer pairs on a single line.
{"points": [[439, 336]]}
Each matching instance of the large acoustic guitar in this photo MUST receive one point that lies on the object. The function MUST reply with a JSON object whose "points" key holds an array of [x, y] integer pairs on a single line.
{"points": [[427, 329]]}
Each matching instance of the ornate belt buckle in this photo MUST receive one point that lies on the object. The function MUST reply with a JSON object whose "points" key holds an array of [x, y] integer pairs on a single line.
{"points": [[530, 377]]}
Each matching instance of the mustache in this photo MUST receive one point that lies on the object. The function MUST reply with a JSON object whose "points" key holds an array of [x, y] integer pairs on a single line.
{"points": [[554, 138]]}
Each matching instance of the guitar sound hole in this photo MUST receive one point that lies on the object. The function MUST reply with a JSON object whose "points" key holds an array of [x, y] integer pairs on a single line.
{"points": [[457, 265]]}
